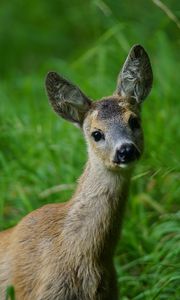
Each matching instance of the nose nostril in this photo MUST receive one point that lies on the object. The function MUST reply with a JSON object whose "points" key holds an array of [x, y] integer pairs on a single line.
{"points": [[122, 150], [129, 149], [126, 153]]}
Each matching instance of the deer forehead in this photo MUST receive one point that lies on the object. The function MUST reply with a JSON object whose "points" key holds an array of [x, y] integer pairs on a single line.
{"points": [[111, 110]]}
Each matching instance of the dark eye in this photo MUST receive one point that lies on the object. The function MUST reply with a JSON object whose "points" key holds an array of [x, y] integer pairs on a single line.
{"points": [[97, 135], [134, 123]]}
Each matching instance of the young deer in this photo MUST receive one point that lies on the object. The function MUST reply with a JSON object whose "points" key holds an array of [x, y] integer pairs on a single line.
{"points": [[65, 251]]}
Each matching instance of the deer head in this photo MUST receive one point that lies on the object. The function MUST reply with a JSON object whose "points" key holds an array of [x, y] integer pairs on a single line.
{"points": [[111, 125]]}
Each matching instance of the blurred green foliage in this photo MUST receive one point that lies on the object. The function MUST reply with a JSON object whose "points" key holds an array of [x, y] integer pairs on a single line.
{"points": [[88, 41], [33, 32]]}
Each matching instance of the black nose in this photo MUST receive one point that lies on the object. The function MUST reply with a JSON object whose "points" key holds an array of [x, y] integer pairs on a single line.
{"points": [[126, 153]]}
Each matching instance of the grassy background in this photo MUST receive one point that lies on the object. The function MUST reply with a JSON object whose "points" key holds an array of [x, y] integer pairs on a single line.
{"points": [[87, 41]]}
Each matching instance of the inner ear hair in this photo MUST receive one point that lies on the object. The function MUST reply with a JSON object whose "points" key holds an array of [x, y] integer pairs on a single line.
{"points": [[66, 99], [136, 77]]}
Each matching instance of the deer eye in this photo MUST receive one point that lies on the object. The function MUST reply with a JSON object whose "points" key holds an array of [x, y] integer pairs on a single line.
{"points": [[97, 135], [134, 123]]}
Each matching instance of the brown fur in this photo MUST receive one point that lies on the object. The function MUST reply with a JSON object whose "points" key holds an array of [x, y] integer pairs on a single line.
{"points": [[65, 251]]}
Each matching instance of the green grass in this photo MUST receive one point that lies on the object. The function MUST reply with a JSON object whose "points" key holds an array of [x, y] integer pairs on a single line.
{"points": [[38, 150]]}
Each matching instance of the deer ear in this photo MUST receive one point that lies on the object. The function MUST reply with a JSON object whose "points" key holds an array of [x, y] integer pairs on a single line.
{"points": [[66, 99], [135, 79]]}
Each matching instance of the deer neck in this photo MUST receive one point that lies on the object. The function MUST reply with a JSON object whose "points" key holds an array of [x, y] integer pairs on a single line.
{"points": [[96, 210]]}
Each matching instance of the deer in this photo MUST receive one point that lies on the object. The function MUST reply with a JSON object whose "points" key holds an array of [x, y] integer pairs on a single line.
{"points": [[65, 251]]}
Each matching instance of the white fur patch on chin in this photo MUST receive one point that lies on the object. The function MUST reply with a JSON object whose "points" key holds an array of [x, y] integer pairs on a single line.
{"points": [[126, 166]]}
